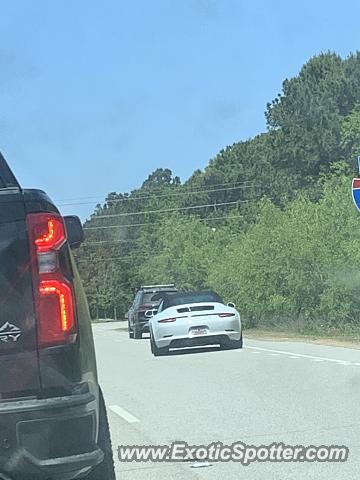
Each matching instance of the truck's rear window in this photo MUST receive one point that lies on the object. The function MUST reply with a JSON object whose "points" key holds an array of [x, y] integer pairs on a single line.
{"points": [[155, 297]]}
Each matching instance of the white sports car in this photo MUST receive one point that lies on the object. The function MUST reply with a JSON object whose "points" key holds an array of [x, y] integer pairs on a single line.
{"points": [[191, 319]]}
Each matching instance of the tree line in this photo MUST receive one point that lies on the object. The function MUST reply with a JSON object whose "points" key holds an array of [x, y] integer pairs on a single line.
{"points": [[269, 223]]}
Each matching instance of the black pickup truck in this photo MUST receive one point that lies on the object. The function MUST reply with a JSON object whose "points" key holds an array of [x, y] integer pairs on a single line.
{"points": [[53, 422]]}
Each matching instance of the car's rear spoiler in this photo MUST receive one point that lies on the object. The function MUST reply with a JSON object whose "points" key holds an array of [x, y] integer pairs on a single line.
{"points": [[7, 178], [171, 285]]}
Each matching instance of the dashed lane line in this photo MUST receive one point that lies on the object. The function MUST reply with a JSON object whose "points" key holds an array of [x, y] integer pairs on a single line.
{"points": [[123, 413], [302, 355]]}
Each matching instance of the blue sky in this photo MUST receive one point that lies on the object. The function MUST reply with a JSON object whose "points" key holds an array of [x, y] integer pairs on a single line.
{"points": [[94, 95]]}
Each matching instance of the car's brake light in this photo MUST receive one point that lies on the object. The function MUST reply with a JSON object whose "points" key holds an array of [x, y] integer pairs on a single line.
{"points": [[55, 306], [54, 296], [49, 232], [167, 320], [227, 314]]}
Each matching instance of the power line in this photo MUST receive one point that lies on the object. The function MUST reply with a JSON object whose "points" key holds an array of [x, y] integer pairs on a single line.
{"points": [[153, 190], [99, 242], [124, 285], [105, 258], [123, 258], [107, 241], [113, 215], [119, 226], [223, 217], [146, 197]]}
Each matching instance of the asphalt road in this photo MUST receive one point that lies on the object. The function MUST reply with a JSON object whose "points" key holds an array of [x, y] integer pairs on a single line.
{"points": [[289, 392]]}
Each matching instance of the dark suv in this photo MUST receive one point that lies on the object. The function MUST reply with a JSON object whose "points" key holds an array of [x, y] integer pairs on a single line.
{"points": [[147, 298], [53, 422]]}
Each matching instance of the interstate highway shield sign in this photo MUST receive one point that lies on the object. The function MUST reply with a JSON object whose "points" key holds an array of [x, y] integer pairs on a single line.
{"points": [[356, 192]]}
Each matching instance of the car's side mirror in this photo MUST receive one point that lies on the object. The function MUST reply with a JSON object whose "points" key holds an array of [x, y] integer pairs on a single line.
{"points": [[74, 230], [231, 304]]}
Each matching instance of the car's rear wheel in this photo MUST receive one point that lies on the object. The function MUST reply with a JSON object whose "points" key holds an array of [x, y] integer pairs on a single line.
{"points": [[105, 470], [137, 331], [158, 352], [233, 344], [131, 333]]}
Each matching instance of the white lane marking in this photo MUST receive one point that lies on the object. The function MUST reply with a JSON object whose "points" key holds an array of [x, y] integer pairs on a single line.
{"points": [[274, 354], [301, 355], [255, 353], [123, 414], [293, 356]]}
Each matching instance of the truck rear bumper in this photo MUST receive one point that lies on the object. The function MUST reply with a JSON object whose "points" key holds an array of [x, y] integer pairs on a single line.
{"points": [[54, 437]]}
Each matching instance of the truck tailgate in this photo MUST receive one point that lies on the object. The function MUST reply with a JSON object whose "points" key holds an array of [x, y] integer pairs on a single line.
{"points": [[19, 369]]}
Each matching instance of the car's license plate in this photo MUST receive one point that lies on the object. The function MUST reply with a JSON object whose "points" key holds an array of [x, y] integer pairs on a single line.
{"points": [[198, 331]]}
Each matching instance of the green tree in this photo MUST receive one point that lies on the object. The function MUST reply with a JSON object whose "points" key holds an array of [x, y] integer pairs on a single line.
{"points": [[161, 177], [350, 135]]}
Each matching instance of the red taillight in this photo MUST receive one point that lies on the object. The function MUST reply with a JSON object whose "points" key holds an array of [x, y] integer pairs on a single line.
{"points": [[228, 314], [48, 232], [53, 291], [56, 309], [167, 320]]}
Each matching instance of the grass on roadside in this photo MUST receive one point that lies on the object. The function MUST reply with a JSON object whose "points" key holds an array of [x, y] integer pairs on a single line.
{"points": [[339, 340]]}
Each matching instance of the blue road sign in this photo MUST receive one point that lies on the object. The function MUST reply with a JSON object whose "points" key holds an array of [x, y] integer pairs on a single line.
{"points": [[356, 192]]}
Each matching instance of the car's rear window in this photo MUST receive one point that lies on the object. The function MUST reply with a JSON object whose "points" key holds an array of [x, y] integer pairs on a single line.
{"points": [[191, 297], [155, 297]]}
